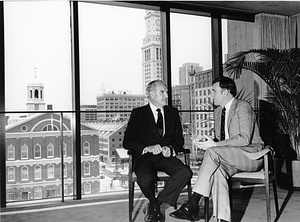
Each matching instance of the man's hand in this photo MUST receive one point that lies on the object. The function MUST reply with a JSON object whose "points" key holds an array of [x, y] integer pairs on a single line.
{"points": [[166, 151], [205, 145], [155, 149]]}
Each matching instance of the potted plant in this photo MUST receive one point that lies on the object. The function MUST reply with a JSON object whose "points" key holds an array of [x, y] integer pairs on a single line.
{"points": [[280, 69]]}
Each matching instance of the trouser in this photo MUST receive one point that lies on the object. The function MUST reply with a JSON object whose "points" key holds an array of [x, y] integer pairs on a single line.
{"points": [[146, 171], [219, 163]]}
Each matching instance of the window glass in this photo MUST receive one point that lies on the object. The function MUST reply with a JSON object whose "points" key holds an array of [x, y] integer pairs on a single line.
{"points": [[24, 152], [50, 150], [38, 193], [11, 174], [37, 172], [119, 55], [50, 171], [11, 152], [37, 78], [191, 63], [37, 54], [86, 148], [86, 168], [37, 151], [24, 173]]}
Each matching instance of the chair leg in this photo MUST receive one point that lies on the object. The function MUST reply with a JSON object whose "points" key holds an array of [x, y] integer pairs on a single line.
{"points": [[268, 203], [131, 197], [275, 198], [206, 209]]}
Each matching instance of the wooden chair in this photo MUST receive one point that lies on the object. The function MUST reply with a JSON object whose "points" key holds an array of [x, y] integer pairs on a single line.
{"points": [[162, 176], [265, 178]]}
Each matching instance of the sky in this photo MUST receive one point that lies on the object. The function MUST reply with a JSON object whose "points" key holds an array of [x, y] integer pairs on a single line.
{"points": [[37, 42]]}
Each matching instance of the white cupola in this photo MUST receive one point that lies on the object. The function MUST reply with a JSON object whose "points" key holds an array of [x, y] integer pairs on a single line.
{"points": [[35, 94]]}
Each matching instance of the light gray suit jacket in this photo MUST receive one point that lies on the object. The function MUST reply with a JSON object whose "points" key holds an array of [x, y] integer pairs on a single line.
{"points": [[242, 127]]}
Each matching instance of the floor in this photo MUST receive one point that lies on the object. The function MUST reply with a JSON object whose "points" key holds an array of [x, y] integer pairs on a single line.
{"points": [[248, 206]]}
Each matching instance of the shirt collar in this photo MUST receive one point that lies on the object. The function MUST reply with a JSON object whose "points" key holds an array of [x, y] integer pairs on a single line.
{"points": [[154, 108], [228, 105]]}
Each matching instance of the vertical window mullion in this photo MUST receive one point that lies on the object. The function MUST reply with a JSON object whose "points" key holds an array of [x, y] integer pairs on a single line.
{"points": [[76, 100], [166, 50], [216, 35]]}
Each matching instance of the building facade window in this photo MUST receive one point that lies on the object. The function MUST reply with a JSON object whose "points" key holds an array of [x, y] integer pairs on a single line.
{"points": [[24, 173], [87, 170], [65, 190], [11, 174], [11, 152], [65, 170], [65, 152], [50, 127], [37, 172], [37, 151], [24, 152], [11, 195], [50, 150], [38, 193], [86, 148], [50, 171], [25, 195], [87, 188]]}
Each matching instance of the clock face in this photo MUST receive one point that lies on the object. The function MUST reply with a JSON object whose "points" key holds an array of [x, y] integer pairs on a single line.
{"points": [[157, 22]]}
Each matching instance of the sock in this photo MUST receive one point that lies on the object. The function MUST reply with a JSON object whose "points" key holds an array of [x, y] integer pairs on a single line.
{"points": [[194, 200]]}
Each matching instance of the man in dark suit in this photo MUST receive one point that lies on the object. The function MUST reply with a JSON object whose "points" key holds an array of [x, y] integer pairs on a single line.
{"points": [[154, 135], [237, 137]]}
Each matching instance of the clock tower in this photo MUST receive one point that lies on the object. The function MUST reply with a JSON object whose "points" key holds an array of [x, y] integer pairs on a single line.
{"points": [[151, 48]]}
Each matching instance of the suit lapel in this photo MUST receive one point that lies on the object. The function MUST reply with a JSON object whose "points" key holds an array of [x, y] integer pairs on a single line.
{"points": [[148, 113]]}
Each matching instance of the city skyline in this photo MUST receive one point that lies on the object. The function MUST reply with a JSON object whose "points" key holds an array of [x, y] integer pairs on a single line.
{"points": [[28, 50]]}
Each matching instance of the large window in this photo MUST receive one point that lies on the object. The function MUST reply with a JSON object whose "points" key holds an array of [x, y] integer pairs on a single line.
{"points": [[24, 152], [37, 151], [37, 172], [101, 79]]}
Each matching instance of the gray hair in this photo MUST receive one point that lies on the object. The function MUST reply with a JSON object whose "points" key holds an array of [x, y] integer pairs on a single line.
{"points": [[152, 85]]}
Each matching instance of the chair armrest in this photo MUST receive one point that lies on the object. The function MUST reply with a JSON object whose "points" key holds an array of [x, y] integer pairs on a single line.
{"points": [[257, 155]]}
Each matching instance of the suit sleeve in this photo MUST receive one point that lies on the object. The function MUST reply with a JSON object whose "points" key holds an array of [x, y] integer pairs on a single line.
{"points": [[131, 135]]}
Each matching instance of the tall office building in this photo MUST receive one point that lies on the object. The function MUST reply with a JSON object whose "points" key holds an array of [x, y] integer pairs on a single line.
{"points": [[201, 86], [151, 48], [184, 78]]}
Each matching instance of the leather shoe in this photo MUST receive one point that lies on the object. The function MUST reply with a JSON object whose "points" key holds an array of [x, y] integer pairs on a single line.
{"points": [[185, 212], [153, 214]]}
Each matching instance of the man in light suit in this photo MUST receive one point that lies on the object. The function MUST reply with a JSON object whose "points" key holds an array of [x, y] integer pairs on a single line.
{"points": [[224, 156], [155, 147]]}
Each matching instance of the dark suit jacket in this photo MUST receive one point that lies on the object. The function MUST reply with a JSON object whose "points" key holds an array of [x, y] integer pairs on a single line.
{"points": [[141, 131], [242, 127]]}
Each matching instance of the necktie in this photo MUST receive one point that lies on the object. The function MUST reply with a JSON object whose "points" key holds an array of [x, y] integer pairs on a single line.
{"points": [[222, 135], [159, 123]]}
